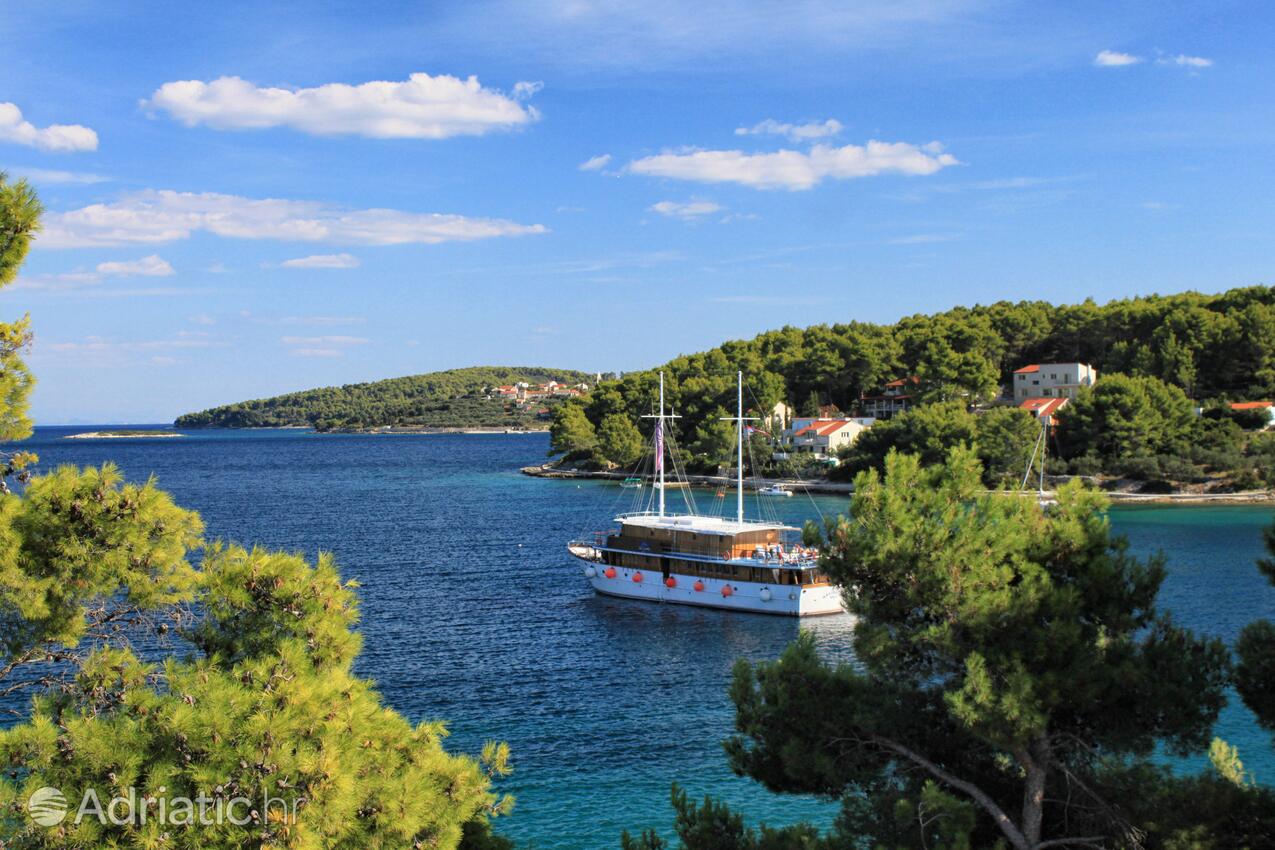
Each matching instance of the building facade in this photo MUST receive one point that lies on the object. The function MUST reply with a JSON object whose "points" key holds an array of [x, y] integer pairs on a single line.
{"points": [[824, 437], [895, 397], [1052, 380]]}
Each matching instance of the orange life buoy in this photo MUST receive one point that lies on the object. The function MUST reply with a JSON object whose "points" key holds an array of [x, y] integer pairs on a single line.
{"points": [[637, 577], [610, 572], [699, 586], [727, 590], [670, 582]]}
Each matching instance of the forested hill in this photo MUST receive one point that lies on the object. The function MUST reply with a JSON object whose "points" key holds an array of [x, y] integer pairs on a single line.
{"points": [[1201, 346], [456, 398]]}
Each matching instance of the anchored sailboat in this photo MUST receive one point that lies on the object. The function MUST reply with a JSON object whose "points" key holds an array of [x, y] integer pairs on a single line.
{"points": [[708, 561]]}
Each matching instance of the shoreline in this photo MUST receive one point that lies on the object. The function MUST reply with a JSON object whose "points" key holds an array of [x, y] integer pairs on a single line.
{"points": [[835, 488]]}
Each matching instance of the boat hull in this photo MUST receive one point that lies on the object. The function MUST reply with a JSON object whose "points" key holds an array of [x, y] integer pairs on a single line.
{"points": [[752, 597]]}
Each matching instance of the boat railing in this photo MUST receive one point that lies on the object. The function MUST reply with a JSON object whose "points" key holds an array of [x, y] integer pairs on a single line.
{"points": [[761, 523], [791, 561]]}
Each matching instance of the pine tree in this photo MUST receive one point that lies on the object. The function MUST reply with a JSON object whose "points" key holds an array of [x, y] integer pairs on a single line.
{"points": [[1003, 654], [266, 722]]}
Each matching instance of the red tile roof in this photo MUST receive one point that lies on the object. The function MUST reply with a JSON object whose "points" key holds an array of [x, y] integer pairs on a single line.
{"points": [[1034, 367], [1043, 406], [824, 427], [1251, 405], [898, 382]]}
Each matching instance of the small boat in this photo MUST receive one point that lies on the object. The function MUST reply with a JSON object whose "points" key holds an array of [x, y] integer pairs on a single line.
{"points": [[774, 490], [631, 483], [726, 562]]}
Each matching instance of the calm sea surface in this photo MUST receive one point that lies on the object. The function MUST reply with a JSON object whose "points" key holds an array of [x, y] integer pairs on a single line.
{"points": [[473, 612]]}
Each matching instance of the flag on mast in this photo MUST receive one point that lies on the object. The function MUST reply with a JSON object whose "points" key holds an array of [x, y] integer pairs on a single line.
{"points": [[659, 446]]}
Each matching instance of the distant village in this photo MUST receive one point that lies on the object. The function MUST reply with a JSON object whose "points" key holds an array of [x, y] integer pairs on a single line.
{"points": [[1042, 389]]}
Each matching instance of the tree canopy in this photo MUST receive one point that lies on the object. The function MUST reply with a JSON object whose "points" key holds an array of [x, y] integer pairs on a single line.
{"points": [[161, 669]]}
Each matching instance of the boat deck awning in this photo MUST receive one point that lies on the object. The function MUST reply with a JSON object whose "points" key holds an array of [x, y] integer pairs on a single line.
{"points": [[698, 524]]}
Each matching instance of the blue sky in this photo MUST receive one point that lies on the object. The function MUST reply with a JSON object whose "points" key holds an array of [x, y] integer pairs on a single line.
{"points": [[245, 202]]}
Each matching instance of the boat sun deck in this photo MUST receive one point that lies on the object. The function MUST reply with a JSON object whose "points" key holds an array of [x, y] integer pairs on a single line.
{"points": [[698, 523]]}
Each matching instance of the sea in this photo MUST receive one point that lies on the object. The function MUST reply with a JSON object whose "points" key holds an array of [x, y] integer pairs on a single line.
{"points": [[473, 612]]}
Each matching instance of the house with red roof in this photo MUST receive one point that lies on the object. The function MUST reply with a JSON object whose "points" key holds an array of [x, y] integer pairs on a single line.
{"points": [[1267, 407], [1051, 380], [824, 437], [895, 397]]}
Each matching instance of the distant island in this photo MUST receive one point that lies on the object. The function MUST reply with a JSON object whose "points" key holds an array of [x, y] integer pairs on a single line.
{"points": [[480, 398], [122, 433]]}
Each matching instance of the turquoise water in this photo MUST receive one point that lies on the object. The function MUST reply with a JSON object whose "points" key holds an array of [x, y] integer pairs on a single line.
{"points": [[473, 612]]}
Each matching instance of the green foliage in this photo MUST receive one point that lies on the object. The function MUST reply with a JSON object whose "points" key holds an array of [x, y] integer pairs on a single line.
{"points": [[20, 212], [713, 826], [571, 431], [450, 399], [1205, 345], [80, 540], [262, 704], [1124, 416], [1255, 673], [619, 440], [273, 713], [1003, 437], [1000, 650]]}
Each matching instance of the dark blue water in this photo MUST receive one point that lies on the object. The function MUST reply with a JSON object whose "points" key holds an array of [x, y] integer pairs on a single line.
{"points": [[472, 611]]}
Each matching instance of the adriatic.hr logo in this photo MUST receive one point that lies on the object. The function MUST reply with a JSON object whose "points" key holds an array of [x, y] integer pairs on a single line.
{"points": [[47, 806]]}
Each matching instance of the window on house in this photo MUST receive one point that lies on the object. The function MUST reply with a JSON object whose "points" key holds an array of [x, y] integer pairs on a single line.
{"points": [[1053, 376], [1048, 391]]}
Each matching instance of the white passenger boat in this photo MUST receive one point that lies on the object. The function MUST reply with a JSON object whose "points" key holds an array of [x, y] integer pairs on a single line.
{"points": [[732, 563], [776, 490]]}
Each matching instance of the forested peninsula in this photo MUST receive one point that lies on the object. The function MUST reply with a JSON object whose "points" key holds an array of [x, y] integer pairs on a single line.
{"points": [[479, 397], [1161, 411]]}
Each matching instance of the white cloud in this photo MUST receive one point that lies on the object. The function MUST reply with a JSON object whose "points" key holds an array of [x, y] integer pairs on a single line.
{"points": [[158, 216], [322, 261], [152, 266], [1187, 61], [795, 170], [596, 163], [687, 211], [315, 352], [46, 175], [59, 138], [1114, 59], [793, 132], [421, 107], [82, 280], [201, 319]]}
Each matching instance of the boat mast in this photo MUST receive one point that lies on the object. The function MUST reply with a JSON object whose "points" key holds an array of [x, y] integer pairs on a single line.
{"points": [[739, 435], [739, 420], [659, 461]]}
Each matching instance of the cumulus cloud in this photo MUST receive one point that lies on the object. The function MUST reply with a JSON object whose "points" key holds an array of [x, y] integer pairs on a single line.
{"points": [[687, 211], [596, 163], [1115, 59], [322, 261], [59, 138], [157, 216], [152, 266], [420, 107], [795, 170], [793, 132]]}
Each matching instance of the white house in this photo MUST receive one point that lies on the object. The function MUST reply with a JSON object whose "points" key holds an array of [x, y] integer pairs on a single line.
{"points": [[1052, 380], [1044, 409], [895, 397], [824, 437]]}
